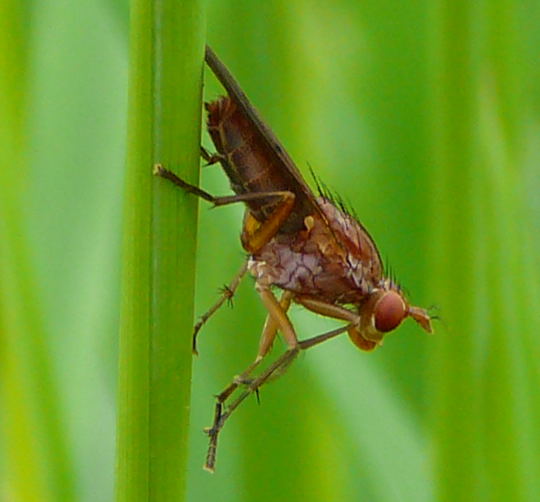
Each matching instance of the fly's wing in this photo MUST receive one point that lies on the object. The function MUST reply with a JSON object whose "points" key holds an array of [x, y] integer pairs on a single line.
{"points": [[266, 134]]}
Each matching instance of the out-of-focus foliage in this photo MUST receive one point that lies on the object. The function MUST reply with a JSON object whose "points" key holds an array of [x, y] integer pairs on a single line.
{"points": [[425, 116]]}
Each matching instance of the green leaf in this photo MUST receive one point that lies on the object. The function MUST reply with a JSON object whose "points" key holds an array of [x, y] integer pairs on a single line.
{"points": [[159, 250]]}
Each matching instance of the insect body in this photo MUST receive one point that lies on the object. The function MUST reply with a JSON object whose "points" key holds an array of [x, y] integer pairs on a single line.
{"points": [[319, 255]]}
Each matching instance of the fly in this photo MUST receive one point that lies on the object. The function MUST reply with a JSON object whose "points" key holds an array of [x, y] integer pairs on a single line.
{"points": [[306, 245]]}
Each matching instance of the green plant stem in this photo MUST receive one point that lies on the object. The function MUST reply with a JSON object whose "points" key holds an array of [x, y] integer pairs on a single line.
{"points": [[166, 52]]}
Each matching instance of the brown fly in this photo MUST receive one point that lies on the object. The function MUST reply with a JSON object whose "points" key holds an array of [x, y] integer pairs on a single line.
{"points": [[303, 244]]}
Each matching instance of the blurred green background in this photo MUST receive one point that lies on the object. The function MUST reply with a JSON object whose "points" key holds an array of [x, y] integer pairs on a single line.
{"points": [[425, 115]]}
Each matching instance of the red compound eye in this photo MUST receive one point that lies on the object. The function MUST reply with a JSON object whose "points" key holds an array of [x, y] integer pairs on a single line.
{"points": [[389, 311]]}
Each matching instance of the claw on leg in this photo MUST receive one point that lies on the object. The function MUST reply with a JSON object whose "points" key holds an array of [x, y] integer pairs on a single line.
{"points": [[226, 295], [221, 417], [274, 370]]}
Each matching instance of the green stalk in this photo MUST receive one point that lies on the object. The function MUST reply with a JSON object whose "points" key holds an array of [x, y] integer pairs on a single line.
{"points": [[36, 453], [166, 50]]}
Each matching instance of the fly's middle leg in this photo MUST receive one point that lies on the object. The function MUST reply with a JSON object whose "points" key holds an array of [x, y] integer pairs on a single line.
{"points": [[226, 295], [254, 235]]}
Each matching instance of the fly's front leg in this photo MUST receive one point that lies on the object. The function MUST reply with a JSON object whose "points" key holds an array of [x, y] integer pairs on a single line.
{"points": [[270, 329], [337, 312], [274, 369], [220, 417], [271, 326]]}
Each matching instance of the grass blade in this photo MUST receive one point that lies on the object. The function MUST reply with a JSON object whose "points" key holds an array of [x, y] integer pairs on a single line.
{"points": [[159, 246]]}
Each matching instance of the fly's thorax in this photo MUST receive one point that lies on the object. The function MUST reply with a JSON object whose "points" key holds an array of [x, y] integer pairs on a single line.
{"points": [[282, 263], [314, 262], [360, 253]]}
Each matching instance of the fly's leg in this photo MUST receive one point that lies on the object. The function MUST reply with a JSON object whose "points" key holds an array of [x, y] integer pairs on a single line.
{"points": [[159, 170], [276, 368], [270, 329], [271, 326], [227, 294], [255, 234], [211, 158], [220, 417], [337, 312], [279, 314], [268, 336], [328, 309], [283, 209]]}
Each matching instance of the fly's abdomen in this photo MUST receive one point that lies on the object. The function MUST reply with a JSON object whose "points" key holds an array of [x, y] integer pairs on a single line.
{"points": [[251, 164]]}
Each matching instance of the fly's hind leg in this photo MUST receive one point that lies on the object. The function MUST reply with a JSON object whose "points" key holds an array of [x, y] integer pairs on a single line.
{"points": [[254, 235], [211, 158], [162, 172], [283, 210]]}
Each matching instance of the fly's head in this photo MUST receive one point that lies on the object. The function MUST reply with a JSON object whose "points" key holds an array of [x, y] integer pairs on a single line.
{"points": [[383, 311]]}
